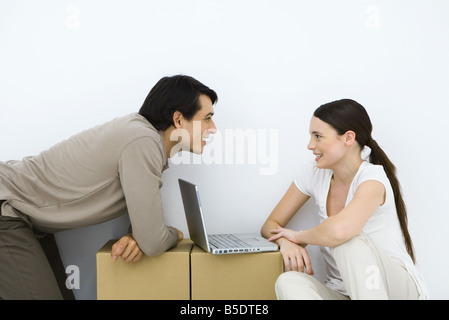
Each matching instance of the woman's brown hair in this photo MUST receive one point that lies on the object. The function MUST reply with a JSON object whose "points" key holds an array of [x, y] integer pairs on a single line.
{"points": [[344, 115]]}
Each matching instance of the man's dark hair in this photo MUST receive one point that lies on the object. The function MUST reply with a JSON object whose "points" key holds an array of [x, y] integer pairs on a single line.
{"points": [[170, 94]]}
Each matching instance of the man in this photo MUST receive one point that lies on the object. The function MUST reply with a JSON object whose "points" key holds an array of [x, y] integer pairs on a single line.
{"points": [[95, 176]]}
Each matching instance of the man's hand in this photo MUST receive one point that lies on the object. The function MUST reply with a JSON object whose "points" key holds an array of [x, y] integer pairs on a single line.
{"points": [[180, 234], [126, 248]]}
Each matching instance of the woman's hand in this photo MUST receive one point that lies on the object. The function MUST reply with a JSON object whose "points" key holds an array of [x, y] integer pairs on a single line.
{"points": [[296, 257], [289, 234]]}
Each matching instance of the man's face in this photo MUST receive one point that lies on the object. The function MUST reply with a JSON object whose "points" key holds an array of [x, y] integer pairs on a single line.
{"points": [[201, 125]]}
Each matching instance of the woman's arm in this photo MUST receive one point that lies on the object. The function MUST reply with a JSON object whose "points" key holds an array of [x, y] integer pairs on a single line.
{"points": [[287, 207], [343, 226], [295, 257]]}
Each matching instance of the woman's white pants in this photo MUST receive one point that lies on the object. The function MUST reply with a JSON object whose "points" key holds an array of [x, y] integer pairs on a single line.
{"points": [[367, 273]]}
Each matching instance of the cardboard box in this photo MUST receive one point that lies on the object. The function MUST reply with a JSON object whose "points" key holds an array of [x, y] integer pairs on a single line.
{"points": [[249, 276], [162, 277]]}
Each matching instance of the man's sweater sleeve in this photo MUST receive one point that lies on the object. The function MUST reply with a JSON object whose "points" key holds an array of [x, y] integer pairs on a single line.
{"points": [[140, 170]]}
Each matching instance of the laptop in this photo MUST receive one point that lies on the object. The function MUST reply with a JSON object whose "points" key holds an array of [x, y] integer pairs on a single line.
{"points": [[217, 243]]}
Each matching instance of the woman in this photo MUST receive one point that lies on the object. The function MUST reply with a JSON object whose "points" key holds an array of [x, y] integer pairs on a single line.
{"points": [[363, 231]]}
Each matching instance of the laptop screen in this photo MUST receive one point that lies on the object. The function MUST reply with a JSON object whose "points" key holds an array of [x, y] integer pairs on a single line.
{"points": [[194, 215]]}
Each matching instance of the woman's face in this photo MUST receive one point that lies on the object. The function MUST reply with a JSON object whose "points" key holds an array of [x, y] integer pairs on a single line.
{"points": [[327, 146]]}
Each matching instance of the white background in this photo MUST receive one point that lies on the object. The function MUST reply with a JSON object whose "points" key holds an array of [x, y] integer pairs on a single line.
{"points": [[66, 66]]}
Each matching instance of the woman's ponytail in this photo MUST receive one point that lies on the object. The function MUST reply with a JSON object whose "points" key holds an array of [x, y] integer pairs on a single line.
{"points": [[379, 157]]}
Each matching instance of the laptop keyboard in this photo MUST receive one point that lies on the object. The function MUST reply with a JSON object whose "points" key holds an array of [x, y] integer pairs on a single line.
{"points": [[226, 241]]}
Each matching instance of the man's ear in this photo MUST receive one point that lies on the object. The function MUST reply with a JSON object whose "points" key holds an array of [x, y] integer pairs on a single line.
{"points": [[177, 119], [350, 137]]}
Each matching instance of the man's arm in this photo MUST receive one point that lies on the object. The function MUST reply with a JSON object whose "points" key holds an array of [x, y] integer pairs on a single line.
{"points": [[128, 249], [140, 170]]}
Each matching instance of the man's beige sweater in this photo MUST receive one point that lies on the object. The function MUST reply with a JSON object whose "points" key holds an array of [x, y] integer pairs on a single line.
{"points": [[94, 176]]}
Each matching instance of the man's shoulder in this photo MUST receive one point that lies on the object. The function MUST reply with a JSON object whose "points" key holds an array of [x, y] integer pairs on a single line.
{"points": [[128, 128], [139, 139], [134, 122]]}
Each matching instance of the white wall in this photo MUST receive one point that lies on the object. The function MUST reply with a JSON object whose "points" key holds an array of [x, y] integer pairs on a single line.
{"points": [[68, 65]]}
